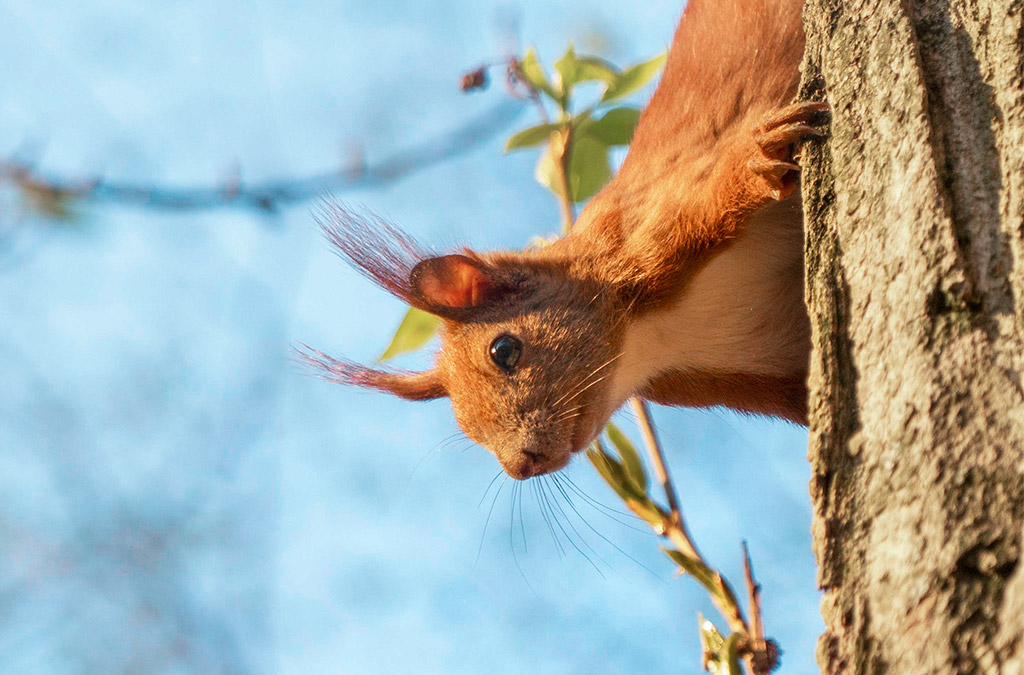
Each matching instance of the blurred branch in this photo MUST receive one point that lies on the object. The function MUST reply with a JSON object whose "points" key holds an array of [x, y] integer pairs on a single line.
{"points": [[52, 192]]}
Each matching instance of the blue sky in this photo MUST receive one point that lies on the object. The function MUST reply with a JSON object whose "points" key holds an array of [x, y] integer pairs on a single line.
{"points": [[175, 496]]}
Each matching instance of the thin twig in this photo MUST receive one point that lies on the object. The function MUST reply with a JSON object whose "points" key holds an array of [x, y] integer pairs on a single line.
{"points": [[754, 591], [643, 413], [564, 169], [562, 148], [763, 654]]}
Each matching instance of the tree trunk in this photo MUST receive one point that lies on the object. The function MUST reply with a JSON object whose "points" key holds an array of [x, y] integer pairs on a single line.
{"points": [[915, 282]]}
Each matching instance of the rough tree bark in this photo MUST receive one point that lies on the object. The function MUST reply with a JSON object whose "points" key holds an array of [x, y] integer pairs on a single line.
{"points": [[915, 281]]}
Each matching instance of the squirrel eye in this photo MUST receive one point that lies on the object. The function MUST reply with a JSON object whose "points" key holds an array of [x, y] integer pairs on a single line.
{"points": [[505, 352]]}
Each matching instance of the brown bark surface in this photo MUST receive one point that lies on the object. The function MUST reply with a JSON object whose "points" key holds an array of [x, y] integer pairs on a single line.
{"points": [[915, 282]]}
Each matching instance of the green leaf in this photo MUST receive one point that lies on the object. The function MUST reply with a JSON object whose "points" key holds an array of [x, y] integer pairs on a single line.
{"points": [[721, 655], [532, 136], [582, 120], [711, 643], [635, 497], [589, 168], [611, 471], [547, 172], [591, 68], [710, 638], [650, 512], [698, 570], [634, 78], [568, 74], [534, 73], [416, 329], [631, 462], [616, 127], [573, 69], [614, 473]]}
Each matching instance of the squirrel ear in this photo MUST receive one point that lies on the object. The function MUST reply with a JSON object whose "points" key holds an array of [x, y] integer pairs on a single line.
{"points": [[450, 282]]}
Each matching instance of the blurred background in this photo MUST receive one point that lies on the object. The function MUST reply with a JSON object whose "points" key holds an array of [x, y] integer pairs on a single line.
{"points": [[176, 496]]}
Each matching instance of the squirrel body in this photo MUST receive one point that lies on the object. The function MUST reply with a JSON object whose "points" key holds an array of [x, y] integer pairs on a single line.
{"points": [[682, 281], [737, 335]]}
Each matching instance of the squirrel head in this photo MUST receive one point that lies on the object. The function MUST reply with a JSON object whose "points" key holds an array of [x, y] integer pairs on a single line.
{"points": [[528, 347]]}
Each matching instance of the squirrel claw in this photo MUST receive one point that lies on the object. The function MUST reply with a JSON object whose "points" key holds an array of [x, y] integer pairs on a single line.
{"points": [[776, 142], [778, 139], [798, 112]]}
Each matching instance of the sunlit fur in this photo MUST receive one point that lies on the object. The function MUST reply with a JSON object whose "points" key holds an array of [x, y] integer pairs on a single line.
{"points": [[681, 282], [555, 400]]}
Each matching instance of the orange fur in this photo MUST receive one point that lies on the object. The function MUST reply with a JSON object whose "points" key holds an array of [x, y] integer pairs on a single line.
{"points": [[681, 282]]}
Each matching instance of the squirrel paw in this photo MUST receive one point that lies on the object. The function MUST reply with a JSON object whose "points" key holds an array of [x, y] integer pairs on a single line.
{"points": [[778, 139]]}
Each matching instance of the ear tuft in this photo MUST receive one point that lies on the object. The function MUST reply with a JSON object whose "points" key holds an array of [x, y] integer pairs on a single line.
{"points": [[375, 247], [450, 282], [408, 385]]}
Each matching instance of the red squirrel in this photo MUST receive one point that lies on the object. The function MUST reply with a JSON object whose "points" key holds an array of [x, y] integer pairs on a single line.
{"points": [[682, 281]]}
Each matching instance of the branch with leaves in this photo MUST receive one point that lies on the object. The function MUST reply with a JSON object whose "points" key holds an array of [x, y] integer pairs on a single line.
{"points": [[626, 475], [574, 165]]}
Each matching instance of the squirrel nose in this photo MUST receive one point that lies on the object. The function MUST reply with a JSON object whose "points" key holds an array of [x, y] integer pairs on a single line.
{"points": [[526, 465]]}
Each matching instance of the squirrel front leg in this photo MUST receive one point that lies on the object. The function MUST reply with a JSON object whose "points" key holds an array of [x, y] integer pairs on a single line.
{"points": [[760, 167], [746, 171], [750, 168]]}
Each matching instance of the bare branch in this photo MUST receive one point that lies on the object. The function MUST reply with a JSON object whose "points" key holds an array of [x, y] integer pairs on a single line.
{"points": [[762, 654], [267, 196], [646, 424]]}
